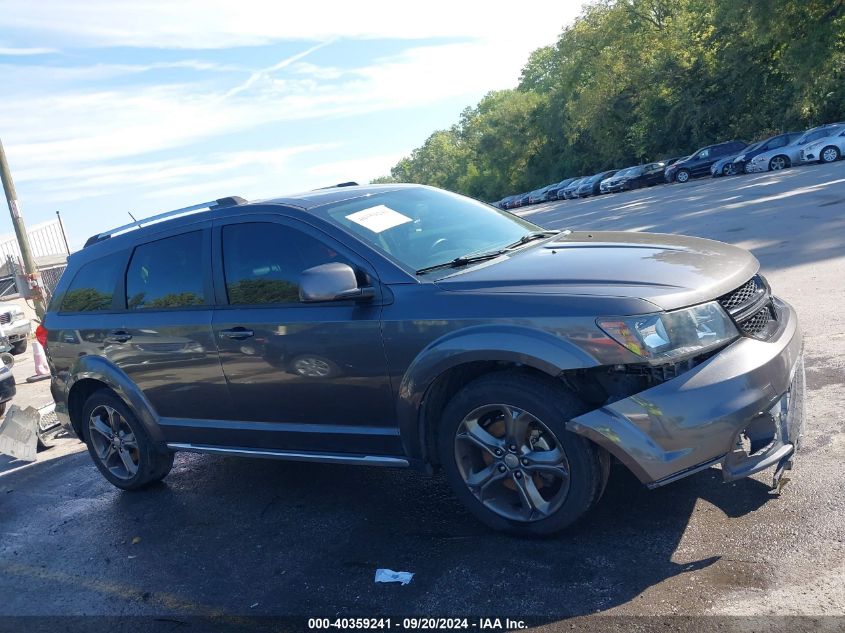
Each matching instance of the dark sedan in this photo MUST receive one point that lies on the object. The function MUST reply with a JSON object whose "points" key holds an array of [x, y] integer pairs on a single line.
{"points": [[774, 142], [592, 185], [636, 177], [556, 192], [571, 190]]}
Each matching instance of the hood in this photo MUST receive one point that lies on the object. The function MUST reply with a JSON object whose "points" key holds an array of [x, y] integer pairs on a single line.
{"points": [[670, 271]]}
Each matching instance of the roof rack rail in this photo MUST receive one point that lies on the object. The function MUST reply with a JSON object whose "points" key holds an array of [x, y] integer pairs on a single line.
{"points": [[351, 183], [231, 201]]}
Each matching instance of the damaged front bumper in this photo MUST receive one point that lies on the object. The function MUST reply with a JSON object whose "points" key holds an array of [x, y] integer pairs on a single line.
{"points": [[743, 408]]}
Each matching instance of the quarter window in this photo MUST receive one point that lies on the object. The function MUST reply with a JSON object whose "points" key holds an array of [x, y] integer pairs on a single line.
{"points": [[166, 273], [93, 286], [263, 261]]}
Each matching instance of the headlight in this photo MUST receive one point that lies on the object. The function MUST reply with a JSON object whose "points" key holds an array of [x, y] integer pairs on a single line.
{"points": [[671, 335]]}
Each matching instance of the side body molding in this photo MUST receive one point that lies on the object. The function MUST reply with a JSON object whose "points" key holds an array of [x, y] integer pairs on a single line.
{"points": [[99, 368], [508, 343]]}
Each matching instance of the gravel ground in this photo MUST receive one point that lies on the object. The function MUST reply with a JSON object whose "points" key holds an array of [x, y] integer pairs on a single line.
{"points": [[228, 537]]}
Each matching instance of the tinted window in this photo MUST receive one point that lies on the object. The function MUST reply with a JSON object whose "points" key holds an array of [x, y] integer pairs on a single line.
{"points": [[780, 141], [263, 261], [705, 153], [166, 273], [93, 286]]}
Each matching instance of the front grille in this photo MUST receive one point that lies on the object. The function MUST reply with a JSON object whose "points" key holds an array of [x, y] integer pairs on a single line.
{"points": [[757, 323], [744, 306], [742, 295], [5, 318]]}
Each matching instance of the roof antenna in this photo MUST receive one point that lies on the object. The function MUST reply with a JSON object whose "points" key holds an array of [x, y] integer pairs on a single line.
{"points": [[133, 218]]}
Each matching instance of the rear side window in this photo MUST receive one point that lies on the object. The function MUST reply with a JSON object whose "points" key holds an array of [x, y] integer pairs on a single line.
{"points": [[262, 262], [166, 273], [93, 286]]}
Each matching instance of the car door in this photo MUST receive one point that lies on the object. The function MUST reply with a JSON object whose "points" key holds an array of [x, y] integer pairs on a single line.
{"points": [[302, 376], [653, 173], [164, 342], [705, 159]]}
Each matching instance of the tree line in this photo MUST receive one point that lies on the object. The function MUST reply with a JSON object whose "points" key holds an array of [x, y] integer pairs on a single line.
{"points": [[631, 81]]}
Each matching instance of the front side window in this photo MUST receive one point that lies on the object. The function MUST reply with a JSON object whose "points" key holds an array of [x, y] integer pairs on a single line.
{"points": [[167, 273], [263, 261], [705, 153], [93, 286], [421, 227]]}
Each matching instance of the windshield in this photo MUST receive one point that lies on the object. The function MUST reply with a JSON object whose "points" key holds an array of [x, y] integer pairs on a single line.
{"points": [[420, 227], [817, 134]]}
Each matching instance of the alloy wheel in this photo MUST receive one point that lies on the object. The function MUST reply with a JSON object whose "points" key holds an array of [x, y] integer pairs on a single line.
{"points": [[829, 155], [512, 462], [114, 442], [682, 176], [777, 163]]}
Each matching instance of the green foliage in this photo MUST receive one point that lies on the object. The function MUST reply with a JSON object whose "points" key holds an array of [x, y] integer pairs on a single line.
{"points": [[257, 291], [637, 80], [86, 300]]}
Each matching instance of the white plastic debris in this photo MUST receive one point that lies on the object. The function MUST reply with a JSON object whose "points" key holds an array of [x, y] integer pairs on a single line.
{"points": [[388, 575]]}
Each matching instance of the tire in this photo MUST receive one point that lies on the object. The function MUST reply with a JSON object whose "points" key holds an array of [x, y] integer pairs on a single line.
{"points": [[150, 466], [573, 476], [776, 163], [729, 170], [829, 154], [7, 359], [19, 347], [3, 408], [682, 176]]}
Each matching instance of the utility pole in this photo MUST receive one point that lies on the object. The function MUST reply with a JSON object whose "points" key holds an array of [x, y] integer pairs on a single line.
{"points": [[30, 268]]}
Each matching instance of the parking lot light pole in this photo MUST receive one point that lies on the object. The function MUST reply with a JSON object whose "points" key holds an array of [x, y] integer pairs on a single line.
{"points": [[30, 268]]}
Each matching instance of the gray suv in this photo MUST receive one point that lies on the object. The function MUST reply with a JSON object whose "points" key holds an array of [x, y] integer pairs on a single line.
{"points": [[406, 326]]}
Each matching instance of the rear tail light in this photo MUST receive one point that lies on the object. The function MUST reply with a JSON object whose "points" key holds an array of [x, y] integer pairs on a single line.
{"points": [[41, 335]]}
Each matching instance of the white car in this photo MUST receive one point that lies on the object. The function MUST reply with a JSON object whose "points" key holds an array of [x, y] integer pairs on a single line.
{"points": [[825, 150], [789, 155], [15, 325]]}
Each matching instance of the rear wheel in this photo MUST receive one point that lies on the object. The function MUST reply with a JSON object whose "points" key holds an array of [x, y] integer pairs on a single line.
{"points": [[119, 444], [729, 170], [829, 154], [779, 162], [682, 175], [507, 454]]}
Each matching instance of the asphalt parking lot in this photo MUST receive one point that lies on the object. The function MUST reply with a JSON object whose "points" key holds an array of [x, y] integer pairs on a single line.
{"points": [[233, 537]]}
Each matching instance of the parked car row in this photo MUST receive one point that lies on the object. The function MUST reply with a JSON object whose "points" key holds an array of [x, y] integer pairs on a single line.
{"points": [[822, 144]]}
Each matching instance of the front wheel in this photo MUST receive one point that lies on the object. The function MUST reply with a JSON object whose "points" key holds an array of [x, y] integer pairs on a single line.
{"points": [[729, 170], [119, 444], [507, 454], [829, 154], [682, 175], [778, 162]]}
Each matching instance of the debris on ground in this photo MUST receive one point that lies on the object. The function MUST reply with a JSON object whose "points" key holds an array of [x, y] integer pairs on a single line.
{"points": [[388, 575]]}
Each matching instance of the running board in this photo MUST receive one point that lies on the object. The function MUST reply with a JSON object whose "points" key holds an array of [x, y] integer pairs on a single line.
{"points": [[293, 456]]}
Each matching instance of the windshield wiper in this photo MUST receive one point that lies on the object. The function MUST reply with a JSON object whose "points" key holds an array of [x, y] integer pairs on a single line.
{"points": [[462, 261], [536, 235], [472, 257]]}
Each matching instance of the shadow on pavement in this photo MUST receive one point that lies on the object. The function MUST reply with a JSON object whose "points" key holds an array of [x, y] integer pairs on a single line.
{"points": [[236, 536]]}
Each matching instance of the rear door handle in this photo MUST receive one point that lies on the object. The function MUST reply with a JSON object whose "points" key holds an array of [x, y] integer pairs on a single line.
{"points": [[118, 336], [237, 333]]}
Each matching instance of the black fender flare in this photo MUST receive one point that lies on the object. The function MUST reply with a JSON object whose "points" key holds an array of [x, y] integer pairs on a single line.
{"points": [[106, 372], [526, 346]]}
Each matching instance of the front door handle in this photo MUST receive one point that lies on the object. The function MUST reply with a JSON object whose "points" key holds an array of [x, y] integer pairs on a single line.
{"points": [[118, 336], [237, 333]]}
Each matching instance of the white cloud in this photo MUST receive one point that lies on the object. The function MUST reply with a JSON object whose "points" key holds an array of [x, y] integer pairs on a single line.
{"points": [[22, 52], [226, 23]]}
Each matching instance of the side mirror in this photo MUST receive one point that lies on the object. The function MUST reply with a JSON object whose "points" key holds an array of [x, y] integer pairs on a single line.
{"points": [[331, 282]]}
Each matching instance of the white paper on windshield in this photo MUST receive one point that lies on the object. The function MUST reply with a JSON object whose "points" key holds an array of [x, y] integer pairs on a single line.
{"points": [[378, 218]]}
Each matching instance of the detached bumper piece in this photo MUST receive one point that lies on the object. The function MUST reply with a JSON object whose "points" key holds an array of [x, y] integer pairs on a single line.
{"points": [[772, 437]]}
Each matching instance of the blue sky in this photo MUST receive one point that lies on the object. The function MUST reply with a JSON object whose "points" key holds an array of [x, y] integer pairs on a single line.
{"points": [[112, 107]]}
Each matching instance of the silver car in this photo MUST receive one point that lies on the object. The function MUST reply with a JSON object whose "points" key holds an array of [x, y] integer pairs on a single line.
{"points": [[790, 155], [825, 150]]}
